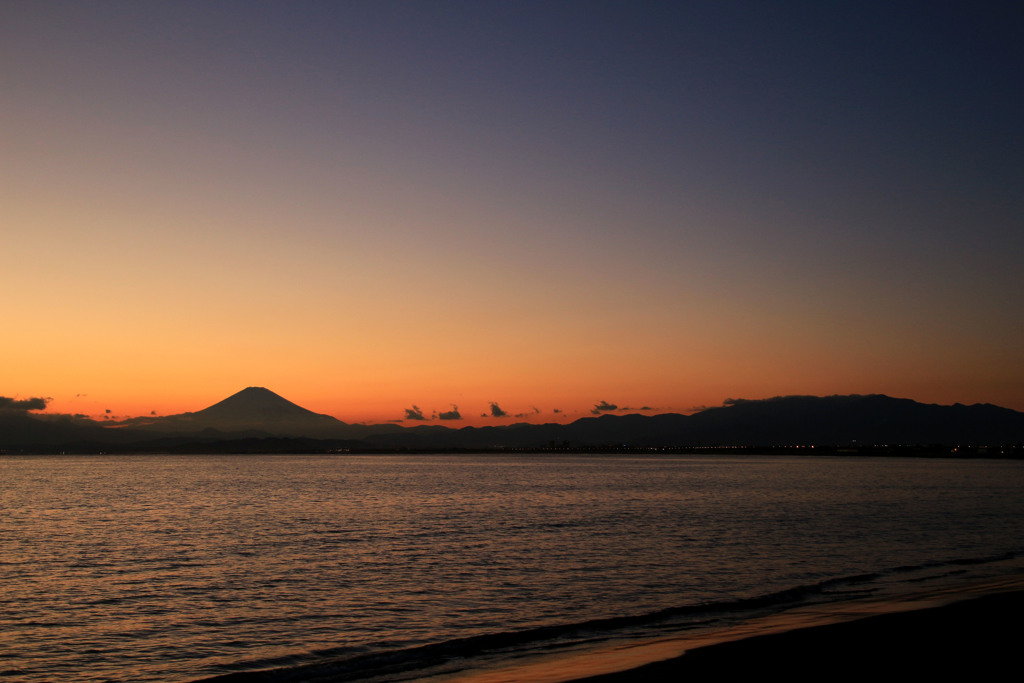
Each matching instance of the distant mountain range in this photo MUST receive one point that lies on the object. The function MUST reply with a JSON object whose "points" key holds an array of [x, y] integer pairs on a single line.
{"points": [[257, 420]]}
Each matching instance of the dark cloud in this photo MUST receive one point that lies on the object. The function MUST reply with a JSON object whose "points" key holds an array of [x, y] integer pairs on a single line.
{"points": [[23, 404], [452, 414], [496, 410], [414, 413], [557, 411], [534, 410], [604, 407]]}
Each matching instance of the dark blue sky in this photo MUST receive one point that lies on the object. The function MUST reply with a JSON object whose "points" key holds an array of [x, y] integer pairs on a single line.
{"points": [[784, 197]]}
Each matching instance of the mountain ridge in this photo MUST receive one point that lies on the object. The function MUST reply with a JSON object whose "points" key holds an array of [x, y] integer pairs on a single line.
{"points": [[253, 410], [837, 420]]}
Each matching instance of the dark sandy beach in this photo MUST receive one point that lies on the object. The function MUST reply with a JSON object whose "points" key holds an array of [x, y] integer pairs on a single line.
{"points": [[978, 637], [970, 630]]}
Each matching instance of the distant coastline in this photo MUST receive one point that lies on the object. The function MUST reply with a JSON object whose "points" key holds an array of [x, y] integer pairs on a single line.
{"points": [[284, 446], [256, 420]]}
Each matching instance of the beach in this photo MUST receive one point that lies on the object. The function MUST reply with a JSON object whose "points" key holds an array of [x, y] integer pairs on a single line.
{"points": [[978, 637], [963, 630]]}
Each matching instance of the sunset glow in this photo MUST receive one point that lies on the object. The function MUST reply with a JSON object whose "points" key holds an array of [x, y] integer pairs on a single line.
{"points": [[367, 207]]}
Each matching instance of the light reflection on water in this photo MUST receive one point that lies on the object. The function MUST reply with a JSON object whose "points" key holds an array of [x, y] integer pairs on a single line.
{"points": [[172, 567]]}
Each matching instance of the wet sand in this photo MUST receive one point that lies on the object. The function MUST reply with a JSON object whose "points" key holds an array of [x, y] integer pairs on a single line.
{"points": [[979, 638], [970, 630]]}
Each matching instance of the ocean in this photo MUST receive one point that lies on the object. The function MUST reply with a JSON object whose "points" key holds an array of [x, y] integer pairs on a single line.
{"points": [[246, 568]]}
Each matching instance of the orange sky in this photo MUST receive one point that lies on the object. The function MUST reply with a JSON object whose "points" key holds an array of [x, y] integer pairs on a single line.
{"points": [[363, 217]]}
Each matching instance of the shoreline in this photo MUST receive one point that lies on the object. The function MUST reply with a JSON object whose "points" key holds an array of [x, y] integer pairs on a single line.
{"points": [[958, 629]]}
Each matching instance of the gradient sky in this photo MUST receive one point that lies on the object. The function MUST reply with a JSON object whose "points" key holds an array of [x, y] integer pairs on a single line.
{"points": [[369, 206]]}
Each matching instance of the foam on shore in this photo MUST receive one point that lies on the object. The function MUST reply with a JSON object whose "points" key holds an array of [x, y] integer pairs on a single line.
{"points": [[958, 628]]}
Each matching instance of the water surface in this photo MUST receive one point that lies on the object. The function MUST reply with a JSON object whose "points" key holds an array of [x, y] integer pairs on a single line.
{"points": [[176, 568]]}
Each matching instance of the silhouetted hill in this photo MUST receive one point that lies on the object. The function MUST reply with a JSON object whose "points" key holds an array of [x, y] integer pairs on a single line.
{"points": [[259, 409], [254, 417], [255, 403], [251, 412], [871, 419], [782, 421], [21, 429]]}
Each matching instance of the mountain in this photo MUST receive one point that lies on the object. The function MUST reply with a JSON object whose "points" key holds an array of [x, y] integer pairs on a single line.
{"points": [[258, 420], [781, 421], [259, 409], [856, 419], [252, 411], [20, 429]]}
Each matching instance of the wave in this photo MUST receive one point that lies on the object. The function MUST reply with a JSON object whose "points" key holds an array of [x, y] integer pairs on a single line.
{"points": [[389, 661]]}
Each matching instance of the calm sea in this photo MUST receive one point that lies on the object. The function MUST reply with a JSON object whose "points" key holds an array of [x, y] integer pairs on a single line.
{"points": [[179, 568]]}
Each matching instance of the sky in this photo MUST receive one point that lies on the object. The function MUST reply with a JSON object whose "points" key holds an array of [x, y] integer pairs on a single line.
{"points": [[547, 208]]}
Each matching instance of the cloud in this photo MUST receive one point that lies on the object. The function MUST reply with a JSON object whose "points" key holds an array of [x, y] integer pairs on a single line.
{"points": [[534, 410], [496, 410], [557, 411], [414, 413], [604, 407], [38, 403], [452, 414]]}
